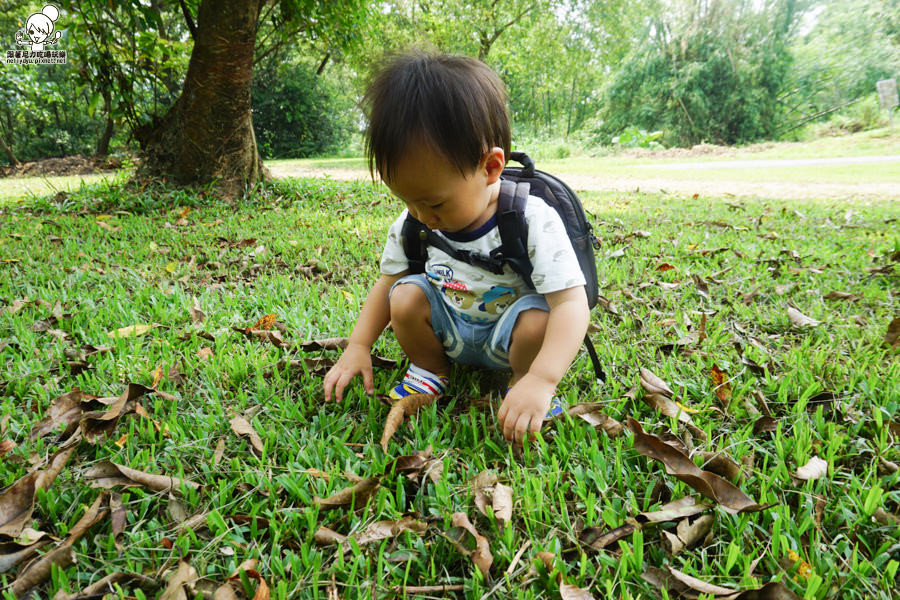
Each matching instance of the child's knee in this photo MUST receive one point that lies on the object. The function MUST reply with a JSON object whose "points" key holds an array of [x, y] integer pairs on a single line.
{"points": [[408, 300], [530, 326]]}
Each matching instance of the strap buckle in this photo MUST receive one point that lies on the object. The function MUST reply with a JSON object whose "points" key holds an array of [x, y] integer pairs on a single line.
{"points": [[494, 264]]}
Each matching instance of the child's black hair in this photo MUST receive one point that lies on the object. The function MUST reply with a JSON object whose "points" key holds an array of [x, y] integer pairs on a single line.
{"points": [[455, 104]]}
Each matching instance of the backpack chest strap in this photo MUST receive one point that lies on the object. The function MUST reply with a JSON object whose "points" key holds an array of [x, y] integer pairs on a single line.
{"points": [[513, 228]]}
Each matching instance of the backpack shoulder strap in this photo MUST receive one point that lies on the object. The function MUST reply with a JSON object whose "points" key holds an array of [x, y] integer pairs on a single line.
{"points": [[413, 238], [513, 228]]}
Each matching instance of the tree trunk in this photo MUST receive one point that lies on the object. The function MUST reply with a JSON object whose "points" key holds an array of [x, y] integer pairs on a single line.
{"points": [[207, 136], [103, 143], [8, 151]]}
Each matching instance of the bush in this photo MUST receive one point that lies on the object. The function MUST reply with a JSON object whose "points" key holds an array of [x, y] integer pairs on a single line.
{"points": [[632, 137], [711, 77], [297, 113], [860, 116]]}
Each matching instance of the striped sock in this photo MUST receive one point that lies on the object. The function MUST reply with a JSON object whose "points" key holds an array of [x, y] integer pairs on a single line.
{"points": [[419, 381]]}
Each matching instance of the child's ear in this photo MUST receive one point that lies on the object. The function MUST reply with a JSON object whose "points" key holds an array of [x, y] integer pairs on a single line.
{"points": [[493, 162]]}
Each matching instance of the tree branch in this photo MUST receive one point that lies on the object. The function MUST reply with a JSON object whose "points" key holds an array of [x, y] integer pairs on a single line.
{"points": [[189, 20]]}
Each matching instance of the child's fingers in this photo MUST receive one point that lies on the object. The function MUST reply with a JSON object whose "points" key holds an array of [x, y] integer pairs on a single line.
{"points": [[328, 385], [368, 382], [521, 429]]}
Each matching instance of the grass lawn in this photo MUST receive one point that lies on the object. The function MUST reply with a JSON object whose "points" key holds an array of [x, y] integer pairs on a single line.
{"points": [[697, 290]]}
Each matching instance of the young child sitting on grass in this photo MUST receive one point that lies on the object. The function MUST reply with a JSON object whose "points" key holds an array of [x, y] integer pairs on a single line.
{"points": [[439, 137]]}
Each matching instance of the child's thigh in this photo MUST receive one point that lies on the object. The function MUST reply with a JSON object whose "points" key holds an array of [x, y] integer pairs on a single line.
{"points": [[496, 347]]}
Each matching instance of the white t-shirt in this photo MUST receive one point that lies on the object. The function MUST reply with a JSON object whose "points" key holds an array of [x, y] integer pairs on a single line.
{"points": [[477, 294]]}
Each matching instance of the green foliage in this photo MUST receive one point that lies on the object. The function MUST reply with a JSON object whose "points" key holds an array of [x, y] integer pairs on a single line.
{"points": [[632, 137], [297, 113], [706, 75], [852, 44]]}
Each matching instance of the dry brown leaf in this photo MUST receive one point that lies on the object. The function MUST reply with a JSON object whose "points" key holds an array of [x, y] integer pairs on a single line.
{"points": [[106, 474], [475, 547], [262, 590], [94, 514], [688, 534], [677, 464], [677, 509], [197, 315], [502, 503], [669, 408], [183, 577], [405, 407], [723, 387], [598, 539], [721, 465], [6, 446], [702, 287], [568, 591], [328, 537], [38, 571], [265, 322], [118, 517], [131, 331], [106, 585], [700, 585], [225, 592], [653, 384], [357, 495], [157, 376], [382, 530], [219, 452], [22, 548], [98, 425], [17, 501], [813, 469], [65, 410], [242, 427], [592, 413], [763, 424], [332, 343], [892, 336], [842, 296], [798, 319], [317, 473], [481, 484]]}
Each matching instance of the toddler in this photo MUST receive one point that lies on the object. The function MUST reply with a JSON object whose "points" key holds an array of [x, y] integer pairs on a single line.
{"points": [[439, 137]]}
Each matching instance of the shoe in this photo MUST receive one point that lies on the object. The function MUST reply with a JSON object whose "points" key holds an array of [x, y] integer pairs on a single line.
{"points": [[414, 383]]}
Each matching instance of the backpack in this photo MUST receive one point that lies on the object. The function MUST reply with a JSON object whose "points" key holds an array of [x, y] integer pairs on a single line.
{"points": [[517, 183]]}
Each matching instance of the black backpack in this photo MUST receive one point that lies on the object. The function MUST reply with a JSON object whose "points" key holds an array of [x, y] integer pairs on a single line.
{"points": [[516, 185]]}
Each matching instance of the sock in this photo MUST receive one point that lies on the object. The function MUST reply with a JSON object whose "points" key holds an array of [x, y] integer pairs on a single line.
{"points": [[420, 381]]}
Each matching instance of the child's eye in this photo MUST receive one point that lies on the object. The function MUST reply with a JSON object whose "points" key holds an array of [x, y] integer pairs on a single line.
{"points": [[438, 205]]}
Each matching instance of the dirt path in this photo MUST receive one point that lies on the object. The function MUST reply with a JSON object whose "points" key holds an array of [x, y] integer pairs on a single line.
{"points": [[656, 182]]}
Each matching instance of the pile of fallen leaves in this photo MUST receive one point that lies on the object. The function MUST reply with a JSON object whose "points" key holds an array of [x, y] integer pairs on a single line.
{"points": [[66, 165]]}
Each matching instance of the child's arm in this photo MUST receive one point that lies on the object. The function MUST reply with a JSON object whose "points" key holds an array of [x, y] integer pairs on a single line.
{"points": [[356, 359], [527, 402]]}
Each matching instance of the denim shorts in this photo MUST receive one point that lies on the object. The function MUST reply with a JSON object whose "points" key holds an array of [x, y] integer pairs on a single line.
{"points": [[468, 343]]}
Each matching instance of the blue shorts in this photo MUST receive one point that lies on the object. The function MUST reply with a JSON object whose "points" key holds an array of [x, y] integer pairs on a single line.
{"points": [[468, 343]]}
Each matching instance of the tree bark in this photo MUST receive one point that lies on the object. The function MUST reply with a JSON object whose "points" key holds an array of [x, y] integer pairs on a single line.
{"points": [[207, 136], [8, 151], [103, 143]]}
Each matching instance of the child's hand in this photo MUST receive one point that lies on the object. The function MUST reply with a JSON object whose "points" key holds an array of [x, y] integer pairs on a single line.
{"points": [[525, 407], [355, 360]]}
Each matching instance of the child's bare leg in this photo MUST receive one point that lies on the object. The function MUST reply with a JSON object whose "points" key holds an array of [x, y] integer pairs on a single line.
{"points": [[525, 343], [411, 321]]}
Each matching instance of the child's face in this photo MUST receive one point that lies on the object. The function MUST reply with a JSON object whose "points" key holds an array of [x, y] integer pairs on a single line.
{"points": [[440, 197]]}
